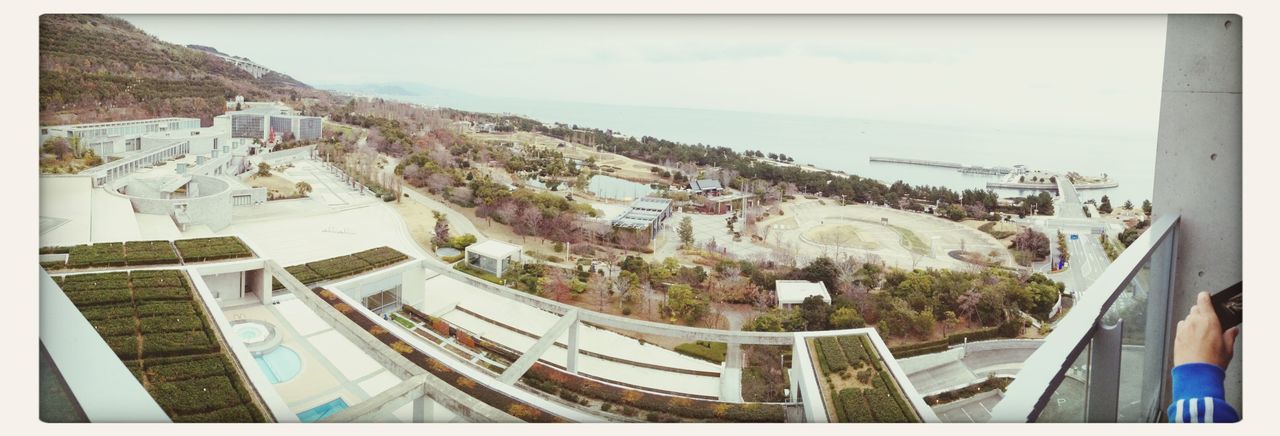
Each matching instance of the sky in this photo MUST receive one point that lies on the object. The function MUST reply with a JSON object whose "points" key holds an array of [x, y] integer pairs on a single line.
{"points": [[1085, 74]]}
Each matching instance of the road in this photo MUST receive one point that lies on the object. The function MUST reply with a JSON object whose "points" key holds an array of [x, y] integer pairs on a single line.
{"points": [[1087, 259]]}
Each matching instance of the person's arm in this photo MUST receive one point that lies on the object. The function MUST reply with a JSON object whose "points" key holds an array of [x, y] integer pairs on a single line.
{"points": [[1200, 352]]}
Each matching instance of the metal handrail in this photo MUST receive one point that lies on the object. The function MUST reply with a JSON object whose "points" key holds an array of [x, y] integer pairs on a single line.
{"points": [[1031, 390]]}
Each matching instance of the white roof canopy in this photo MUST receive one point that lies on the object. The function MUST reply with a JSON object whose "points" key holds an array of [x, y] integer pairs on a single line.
{"points": [[795, 291], [494, 249]]}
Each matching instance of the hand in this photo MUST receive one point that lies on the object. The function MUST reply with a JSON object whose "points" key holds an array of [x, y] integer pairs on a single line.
{"points": [[1200, 338]]}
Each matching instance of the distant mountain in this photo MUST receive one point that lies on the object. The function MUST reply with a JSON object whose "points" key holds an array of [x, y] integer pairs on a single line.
{"points": [[389, 89], [99, 68]]}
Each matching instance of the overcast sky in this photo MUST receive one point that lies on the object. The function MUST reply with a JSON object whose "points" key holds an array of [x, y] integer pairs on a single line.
{"points": [[1095, 74]]}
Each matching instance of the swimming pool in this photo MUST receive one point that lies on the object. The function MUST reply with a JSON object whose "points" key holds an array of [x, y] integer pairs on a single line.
{"points": [[280, 365], [322, 411]]}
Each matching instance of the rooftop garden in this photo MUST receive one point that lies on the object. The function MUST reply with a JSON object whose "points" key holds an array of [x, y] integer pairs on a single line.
{"points": [[144, 253], [339, 267], [160, 331], [855, 383]]}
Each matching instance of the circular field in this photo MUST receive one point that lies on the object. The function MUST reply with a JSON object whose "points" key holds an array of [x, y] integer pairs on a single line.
{"points": [[845, 235]]}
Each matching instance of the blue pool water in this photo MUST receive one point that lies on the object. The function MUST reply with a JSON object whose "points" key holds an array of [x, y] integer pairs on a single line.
{"points": [[280, 365], [322, 411]]}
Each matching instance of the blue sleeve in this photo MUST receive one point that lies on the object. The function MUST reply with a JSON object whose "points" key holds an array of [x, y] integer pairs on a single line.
{"points": [[1198, 395]]}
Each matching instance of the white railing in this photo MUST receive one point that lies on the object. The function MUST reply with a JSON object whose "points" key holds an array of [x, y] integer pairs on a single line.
{"points": [[1122, 317]]}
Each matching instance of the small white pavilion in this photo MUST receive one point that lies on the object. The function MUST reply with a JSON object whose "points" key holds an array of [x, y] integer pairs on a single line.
{"points": [[493, 256], [793, 292]]}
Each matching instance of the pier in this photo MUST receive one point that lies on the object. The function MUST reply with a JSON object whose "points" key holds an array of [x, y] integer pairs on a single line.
{"points": [[967, 169]]}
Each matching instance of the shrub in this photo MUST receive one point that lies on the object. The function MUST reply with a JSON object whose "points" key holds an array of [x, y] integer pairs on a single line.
{"points": [[115, 326], [710, 351], [172, 344], [206, 249], [238, 413], [125, 346], [185, 368], [832, 354], [153, 308], [107, 311], [100, 297], [197, 395], [153, 294], [170, 323]]}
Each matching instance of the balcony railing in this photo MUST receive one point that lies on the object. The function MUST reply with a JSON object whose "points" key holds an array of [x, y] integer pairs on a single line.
{"points": [[1108, 359]]}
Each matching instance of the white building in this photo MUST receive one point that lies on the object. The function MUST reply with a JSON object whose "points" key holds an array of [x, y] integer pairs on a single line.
{"points": [[257, 121], [116, 138], [493, 256], [791, 293]]}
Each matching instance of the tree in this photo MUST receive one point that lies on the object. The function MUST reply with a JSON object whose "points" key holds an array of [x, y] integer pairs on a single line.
{"points": [[264, 169], [303, 188], [816, 313], [953, 212], [684, 304], [686, 231], [822, 269], [949, 321], [1105, 207], [1128, 205], [1146, 207], [1034, 243], [846, 318], [441, 229]]}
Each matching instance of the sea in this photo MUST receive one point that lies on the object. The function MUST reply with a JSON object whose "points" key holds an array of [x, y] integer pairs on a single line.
{"points": [[846, 144]]}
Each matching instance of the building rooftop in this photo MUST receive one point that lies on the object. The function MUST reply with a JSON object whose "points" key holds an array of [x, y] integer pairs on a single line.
{"points": [[494, 249], [795, 291], [643, 212], [705, 184]]}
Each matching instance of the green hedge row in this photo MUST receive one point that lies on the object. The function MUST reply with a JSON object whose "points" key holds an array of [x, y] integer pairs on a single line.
{"points": [[100, 297], [381, 256], [206, 249], [851, 406], [163, 370], [196, 395], [124, 346], [154, 308], [105, 312], [153, 294], [852, 346], [95, 285], [1009, 329], [343, 266], [96, 255], [710, 351], [482, 274], [170, 323], [831, 353], [177, 344], [115, 326], [149, 253]]}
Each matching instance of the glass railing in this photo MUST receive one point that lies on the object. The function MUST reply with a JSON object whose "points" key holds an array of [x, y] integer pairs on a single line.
{"points": [[1107, 360]]}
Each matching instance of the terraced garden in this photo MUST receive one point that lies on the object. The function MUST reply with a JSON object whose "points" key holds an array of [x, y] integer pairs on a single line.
{"points": [[855, 383], [343, 266], [157, 327], [146, 253]]}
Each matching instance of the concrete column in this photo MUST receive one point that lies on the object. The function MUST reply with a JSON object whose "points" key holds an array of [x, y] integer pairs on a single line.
{"points": [[571, 362], [413, 284], [424, 409], [1199, 163], [264, 290], [795, 381]]}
